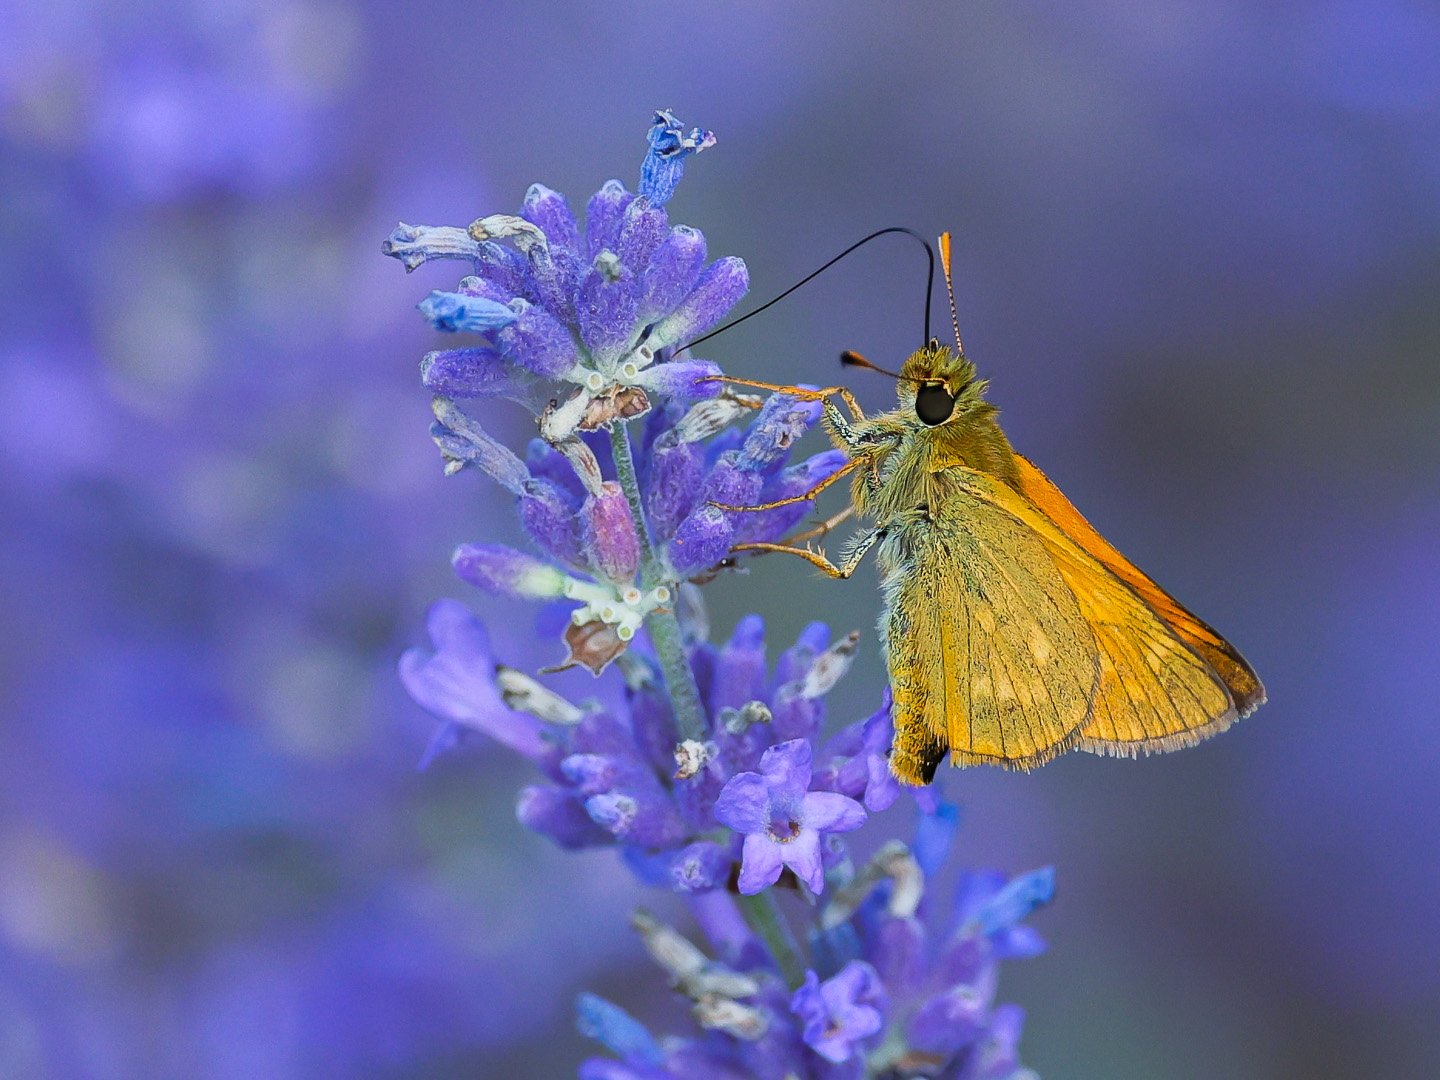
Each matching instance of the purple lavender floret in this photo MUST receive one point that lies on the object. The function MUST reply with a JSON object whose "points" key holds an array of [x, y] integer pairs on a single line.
{"points": [[714, 773], [782, 820], [457, 683], [841, 1013]]}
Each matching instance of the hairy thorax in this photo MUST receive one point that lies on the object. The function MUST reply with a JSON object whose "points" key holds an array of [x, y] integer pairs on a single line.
{"points": [[909, 461]]}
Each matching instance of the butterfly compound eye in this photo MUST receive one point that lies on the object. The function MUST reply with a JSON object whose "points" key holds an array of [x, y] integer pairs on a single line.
{"points": [[933, 404]]}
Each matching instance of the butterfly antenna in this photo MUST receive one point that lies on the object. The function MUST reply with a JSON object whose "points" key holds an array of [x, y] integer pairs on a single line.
{"points": [[950, 289], [929, 283], [853, 359]]}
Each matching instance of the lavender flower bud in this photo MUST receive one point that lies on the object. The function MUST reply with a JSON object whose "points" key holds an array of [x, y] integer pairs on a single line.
{"points": [[485, 289], [545, 462], [949, 1021], [740, 668], [604, 215], [676, 472], [506, 270], [700, 541], [506, 572], [643, 230], [557, 275], [1020, 896], [620, 1032], [730, 483], [700, 867], [681, 379], [473, 314], [476, 372], [649, 819], [549, 210], [653, 721], [795, 715], [674, 268], [934, 832], [414, 244], [550, 521], [721, 285], [560, 815], [782, 420], [901, 954], [535, 339], [608, 535], [795, 661], [606, 306]]}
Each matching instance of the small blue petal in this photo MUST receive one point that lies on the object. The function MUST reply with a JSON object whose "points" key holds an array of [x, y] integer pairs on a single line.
{"points": [[1017, 899], [933, 835], [621, 1033], [833, 947], [472, 314], [670, 145]]}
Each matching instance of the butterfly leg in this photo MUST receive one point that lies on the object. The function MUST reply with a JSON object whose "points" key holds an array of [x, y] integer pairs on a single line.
{"points": [[823, 528], [817, 558], [798, 391], [849, 466]]}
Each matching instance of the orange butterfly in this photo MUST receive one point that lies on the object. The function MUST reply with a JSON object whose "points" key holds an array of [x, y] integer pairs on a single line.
{"points": [[1013, 630]]}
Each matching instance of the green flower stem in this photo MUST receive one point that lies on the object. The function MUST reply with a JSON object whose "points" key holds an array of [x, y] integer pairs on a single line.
{"points": [[763, 916], [664, 627], [664, 630]]}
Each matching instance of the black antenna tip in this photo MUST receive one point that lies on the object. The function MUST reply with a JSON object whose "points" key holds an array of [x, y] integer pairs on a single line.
{"points": [[854, 359]]}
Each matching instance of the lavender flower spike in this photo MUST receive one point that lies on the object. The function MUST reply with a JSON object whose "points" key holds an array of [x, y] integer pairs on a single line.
{"points": [[706, 772], [781, 819], [663, 166]]}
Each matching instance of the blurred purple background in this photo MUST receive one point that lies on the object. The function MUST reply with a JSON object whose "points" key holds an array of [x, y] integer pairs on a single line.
{"points": [[1198, 253]]}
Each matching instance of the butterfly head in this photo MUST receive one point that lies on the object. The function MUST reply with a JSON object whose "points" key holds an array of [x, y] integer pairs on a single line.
{"points": [[938, 383]]}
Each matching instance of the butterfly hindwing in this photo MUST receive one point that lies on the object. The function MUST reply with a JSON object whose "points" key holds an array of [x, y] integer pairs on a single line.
{"points": [[990, 655], [1047, 648]]}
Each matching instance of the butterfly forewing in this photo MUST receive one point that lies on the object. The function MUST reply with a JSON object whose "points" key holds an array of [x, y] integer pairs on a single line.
{"points": [[1238, 676], [1156, 692]]}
